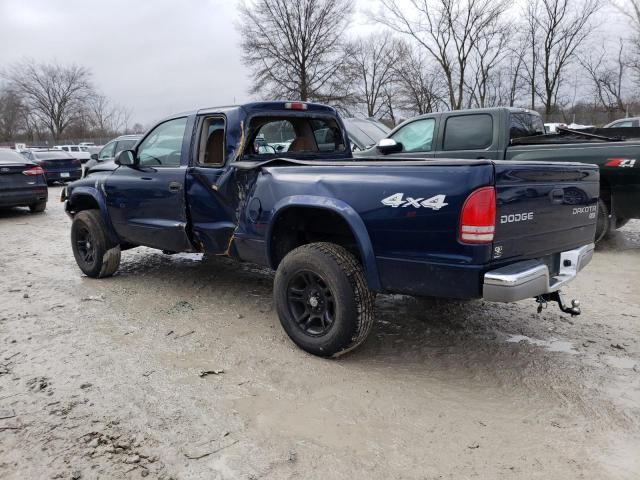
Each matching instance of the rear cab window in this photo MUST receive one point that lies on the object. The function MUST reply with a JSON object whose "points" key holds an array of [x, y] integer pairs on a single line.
{"points": [[468, 132], [524, 124], [293, 135]]}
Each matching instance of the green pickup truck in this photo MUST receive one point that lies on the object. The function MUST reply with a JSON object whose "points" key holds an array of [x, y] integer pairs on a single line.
{"points": [[518, 134]]}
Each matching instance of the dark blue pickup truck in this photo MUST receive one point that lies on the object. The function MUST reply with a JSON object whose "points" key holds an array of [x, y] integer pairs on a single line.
{"points": [[275, 184]]}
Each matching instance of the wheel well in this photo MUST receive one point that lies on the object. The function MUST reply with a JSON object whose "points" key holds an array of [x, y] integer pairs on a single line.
{"points": [[84, 202], [298, 226]]}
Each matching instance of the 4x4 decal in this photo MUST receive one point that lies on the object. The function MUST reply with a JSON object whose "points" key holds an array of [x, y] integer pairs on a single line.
{"points": [[398, 200]]}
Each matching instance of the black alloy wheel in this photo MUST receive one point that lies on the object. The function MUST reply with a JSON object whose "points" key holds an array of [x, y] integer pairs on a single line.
{"points": [[311, 303], [85, 245]]}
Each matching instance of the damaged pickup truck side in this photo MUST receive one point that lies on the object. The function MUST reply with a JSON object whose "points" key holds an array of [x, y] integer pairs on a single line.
{"points": [[275, 184]]}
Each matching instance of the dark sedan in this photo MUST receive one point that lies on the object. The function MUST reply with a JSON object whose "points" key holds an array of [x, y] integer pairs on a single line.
{"points": [[22, 182], [58, 165]]}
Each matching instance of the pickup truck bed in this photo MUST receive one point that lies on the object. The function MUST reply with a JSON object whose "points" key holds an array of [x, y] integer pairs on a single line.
{"points": [[336, 229]]}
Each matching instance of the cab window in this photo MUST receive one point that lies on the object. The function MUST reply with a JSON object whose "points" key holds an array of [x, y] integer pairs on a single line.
{"points": [[416, 136], [107, 151], [468, 132], [211, 151], [525, 125], [163, 146]]}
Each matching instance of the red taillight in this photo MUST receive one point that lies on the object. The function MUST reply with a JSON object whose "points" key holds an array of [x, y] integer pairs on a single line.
{"points": [[478, 217], [33, 171], [295, 106]]}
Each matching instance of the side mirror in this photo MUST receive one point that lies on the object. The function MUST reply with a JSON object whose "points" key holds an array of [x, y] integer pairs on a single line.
{"points": [[388, 145], [126, 158], [94, 156]]}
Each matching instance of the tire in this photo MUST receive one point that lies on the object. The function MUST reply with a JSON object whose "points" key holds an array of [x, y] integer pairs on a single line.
{"points": [[38, 207], [603, 225], [94, 254], [323, 285]]}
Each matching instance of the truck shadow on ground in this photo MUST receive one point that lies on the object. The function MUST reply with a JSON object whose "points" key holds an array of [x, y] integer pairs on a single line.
{"points": [[431, 333], [620, 240]]}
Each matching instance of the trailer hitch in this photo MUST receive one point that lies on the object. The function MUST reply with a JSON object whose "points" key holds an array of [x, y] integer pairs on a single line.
{"points": [[557, 296]]}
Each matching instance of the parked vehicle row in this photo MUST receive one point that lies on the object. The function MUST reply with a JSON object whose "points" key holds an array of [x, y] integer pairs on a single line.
{"points": [[336, 228], [76, 151]]}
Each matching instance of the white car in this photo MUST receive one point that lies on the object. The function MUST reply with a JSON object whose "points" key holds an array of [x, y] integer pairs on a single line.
{"points": [[76, 151]]}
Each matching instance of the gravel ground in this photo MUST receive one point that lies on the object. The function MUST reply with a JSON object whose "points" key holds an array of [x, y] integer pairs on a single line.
{"points": [[101, 378]]}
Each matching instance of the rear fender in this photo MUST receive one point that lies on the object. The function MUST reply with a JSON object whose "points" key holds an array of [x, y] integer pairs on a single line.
{"points": [[352, 218], [80, 195]]}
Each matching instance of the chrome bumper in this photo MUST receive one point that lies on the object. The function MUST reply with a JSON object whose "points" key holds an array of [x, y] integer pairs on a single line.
{"points": [[530, 278]]}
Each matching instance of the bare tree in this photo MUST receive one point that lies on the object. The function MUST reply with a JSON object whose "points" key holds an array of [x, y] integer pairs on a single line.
{"points": [[607, 76], [631, 10], [369, 70], [104, 117], [294, 48], [420, 87], [558, 28], [12, 112], [447, 29], [490, 49], [53, 93]]}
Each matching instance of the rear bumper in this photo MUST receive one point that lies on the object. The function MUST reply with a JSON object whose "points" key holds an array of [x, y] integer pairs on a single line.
{"points": [[64, 175], [530, 278], [22, 199]]}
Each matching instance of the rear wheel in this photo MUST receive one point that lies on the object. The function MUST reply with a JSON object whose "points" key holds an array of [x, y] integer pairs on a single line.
{"points": [[322, 299], [95, 256], [38, 207]]}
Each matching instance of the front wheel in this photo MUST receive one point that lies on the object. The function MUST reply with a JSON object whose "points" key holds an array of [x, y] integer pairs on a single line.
{"points": [[91, 248], [322, 299]]}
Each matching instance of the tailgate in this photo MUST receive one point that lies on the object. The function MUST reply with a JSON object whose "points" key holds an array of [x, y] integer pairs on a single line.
{"points": [[544, 208]]}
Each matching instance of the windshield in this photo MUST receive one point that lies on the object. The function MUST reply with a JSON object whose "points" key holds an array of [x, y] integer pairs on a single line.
{"points": [[365, 133]]}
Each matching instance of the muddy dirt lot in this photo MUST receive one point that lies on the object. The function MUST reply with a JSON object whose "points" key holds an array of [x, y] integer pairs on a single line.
{"points": [[101, 378]]}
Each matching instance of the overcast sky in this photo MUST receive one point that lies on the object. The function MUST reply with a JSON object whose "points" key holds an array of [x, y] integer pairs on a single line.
{"points": [[156, 57]]}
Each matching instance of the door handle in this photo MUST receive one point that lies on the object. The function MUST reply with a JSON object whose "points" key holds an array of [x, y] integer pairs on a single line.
{"points": [[175, 186]]}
